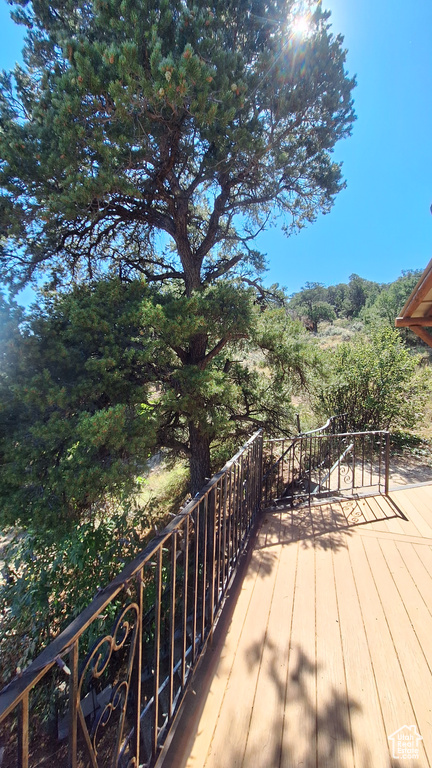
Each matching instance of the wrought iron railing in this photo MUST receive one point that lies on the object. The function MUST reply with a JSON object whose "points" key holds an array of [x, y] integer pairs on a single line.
{"points": [[115, 708], [325, 463]]}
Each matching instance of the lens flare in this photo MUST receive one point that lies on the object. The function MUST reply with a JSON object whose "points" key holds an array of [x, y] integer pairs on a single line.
{"points": [[301, 26]]}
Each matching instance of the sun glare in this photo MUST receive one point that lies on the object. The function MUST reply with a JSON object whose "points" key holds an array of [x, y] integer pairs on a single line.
{"points": [[301, 26]]}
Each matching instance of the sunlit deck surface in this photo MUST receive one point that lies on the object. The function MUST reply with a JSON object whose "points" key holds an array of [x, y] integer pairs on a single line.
{"points": [[324, 647]]}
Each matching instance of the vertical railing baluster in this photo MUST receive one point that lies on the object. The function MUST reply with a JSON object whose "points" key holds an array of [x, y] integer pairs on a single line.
{"points": [[218, 517], [224, 533], [256, 476], [230, 525], [242, 502], [23, 731], [158, 610], [238, 507], [137, 671], [212, 565], [271, 466], [247, 489], [300, 462], [283, 474], [380, 461], [235, 512], [310, 468], [204, 568], [185, 598], [295, 451], [73, 705], [277, 474], [172, 620], [387, 464], [196, 572], [330, 464], [260, 468], [353, 464]]}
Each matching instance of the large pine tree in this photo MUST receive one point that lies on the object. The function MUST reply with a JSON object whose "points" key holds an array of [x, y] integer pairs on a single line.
{"points": [[157, 138]]}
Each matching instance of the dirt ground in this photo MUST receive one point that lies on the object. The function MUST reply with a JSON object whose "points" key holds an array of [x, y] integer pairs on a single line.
{"points": [[405, 470]]}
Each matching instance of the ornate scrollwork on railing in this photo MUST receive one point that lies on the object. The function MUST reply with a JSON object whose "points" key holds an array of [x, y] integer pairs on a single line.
{"points": [[95, 665], [353, 512], [347, 472]]}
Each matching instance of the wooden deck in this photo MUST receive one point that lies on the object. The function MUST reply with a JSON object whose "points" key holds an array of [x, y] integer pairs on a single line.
{"points": [[324, 647]]}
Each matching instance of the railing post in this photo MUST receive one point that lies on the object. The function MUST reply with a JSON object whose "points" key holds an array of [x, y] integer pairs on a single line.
{"points": [[387, 464], [260, 471], [137, 670], [185, 599], [211, 511], [172, 622], [73, 704], [157, 644], [23, 732]]}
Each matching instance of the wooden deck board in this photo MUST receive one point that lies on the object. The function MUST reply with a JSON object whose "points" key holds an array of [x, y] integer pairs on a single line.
{"points": [[334, 736], [365, 711], [419, 509], [327, 649], [299, 727], [264, 737]]}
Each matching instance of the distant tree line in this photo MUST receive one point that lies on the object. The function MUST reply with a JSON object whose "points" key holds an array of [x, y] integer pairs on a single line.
{"points": [[374, 303]]}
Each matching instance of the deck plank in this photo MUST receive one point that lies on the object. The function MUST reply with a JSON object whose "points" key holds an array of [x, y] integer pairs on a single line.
{"points": [[402, 619], [394, 698], [328, 649], [369, 740], [417, 506], [205, 697], [334, 737], [299, 721], [264, 737], [229, 738]]}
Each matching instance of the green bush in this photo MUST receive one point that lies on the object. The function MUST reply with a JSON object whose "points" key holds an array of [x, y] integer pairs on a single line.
{"points": [[375, 381], [47, 581]]}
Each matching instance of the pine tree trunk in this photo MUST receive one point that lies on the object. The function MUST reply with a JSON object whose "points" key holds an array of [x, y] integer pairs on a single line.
{"points": [[199, 441], [199, 462]]}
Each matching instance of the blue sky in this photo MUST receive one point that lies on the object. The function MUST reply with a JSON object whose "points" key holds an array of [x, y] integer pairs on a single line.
{"points": [[381, 223]]}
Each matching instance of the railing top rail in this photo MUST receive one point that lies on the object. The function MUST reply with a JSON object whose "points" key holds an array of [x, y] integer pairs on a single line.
{"points": [[13, 692], [306, 435]]}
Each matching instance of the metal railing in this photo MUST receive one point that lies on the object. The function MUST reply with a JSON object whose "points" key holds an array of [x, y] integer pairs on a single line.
{"points": [[325, 463], [115, 708]]}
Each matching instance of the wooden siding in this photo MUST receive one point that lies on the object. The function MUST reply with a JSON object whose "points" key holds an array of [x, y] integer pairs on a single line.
{"points": [[324, 647]]}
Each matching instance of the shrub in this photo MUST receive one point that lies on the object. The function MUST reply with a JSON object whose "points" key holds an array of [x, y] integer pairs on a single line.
{"points": [[376, 382]]}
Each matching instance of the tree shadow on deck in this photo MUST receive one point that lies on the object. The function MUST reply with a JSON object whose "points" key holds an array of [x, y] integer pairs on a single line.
{"points": [[287, 728], [294, 725], [289, 724], [325, 525]]}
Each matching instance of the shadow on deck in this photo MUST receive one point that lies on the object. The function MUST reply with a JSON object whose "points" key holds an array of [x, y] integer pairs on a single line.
{"points": [[324, 647]]}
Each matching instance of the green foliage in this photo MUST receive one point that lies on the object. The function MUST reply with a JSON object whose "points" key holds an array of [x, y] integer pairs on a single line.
{"points": [[384, 308], [369, 302], [310, 306], [358, 292], [129, 119], [152, 141], [376, 382], [48, 580], [75, 406], [156, 140], [102, 376]]}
